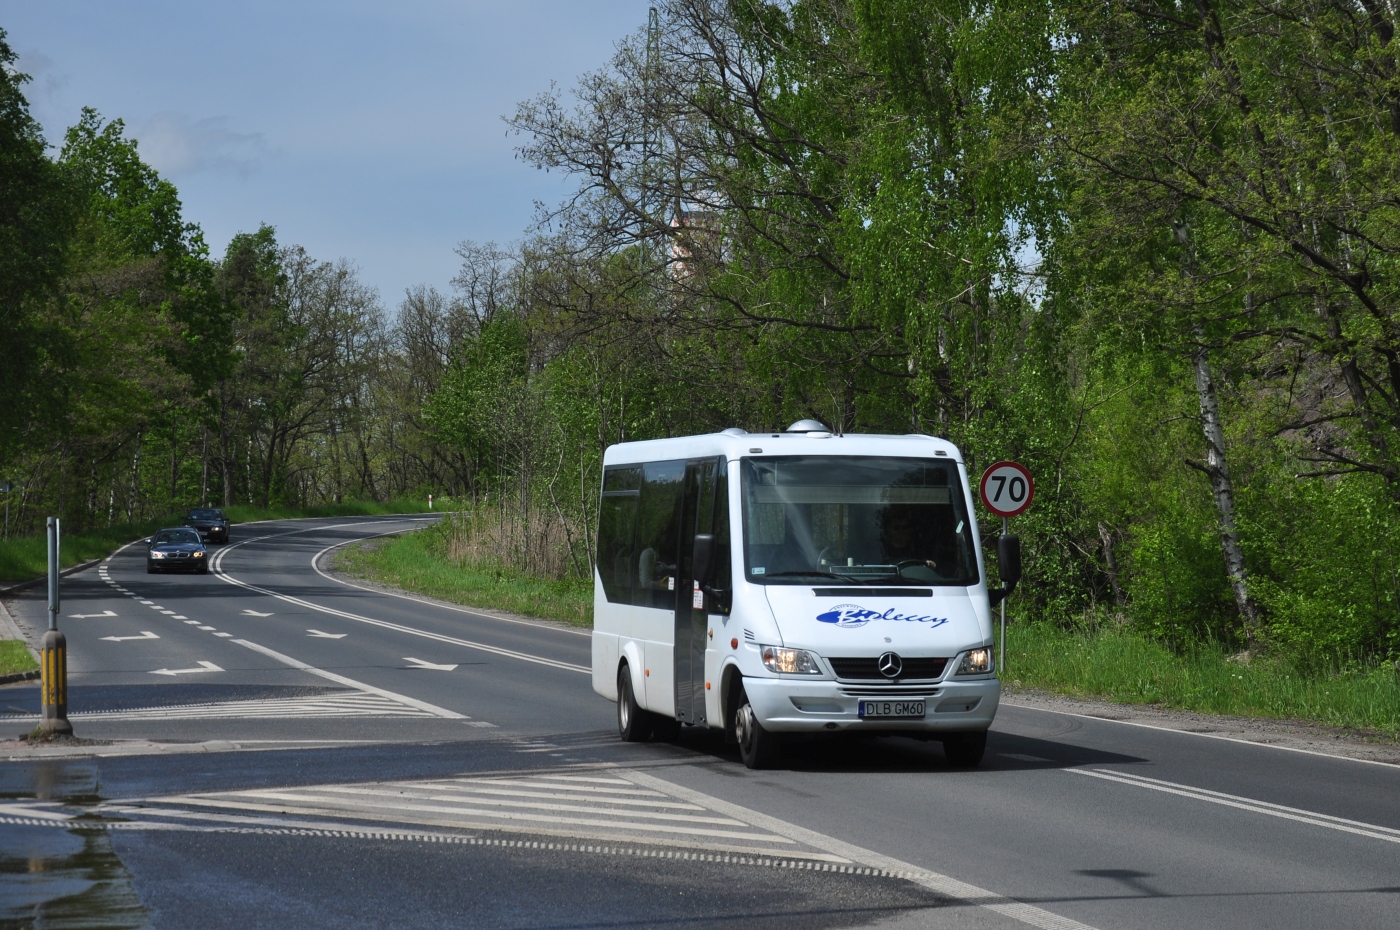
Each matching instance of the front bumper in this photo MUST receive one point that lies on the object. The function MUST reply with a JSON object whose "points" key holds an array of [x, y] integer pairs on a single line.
{"points": [[176, 565], [789, 705]]}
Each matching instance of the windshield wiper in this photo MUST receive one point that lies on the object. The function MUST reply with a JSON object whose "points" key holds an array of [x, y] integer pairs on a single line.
{"points": [[814, 574]]}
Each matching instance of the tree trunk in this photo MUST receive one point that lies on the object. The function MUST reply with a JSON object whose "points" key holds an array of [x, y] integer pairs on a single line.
{"points": [[1217, 469], [174, 460], [225, 454], [1111, 564]]}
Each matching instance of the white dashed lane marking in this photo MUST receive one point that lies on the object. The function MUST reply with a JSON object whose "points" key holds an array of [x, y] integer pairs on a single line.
{"points": [[335, 704], [415, 708]]}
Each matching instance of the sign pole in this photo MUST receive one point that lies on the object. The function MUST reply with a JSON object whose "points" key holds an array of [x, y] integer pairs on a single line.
{"points": [[1006, 489], [53, 652], [1001, 642]]}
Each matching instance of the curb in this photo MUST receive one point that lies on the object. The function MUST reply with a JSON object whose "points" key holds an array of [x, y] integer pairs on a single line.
{"points": [[12, 678], [8, 625]]}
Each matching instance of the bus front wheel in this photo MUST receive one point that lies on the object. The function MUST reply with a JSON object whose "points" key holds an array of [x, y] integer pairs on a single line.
{"points": [[633, 723], [758, 747]]}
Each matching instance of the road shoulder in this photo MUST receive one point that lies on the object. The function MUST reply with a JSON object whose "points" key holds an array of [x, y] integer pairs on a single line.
{"points": [[1282, 734]]}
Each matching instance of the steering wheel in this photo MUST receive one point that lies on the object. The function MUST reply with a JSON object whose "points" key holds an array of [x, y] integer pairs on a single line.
{"points": [[831, 551]]}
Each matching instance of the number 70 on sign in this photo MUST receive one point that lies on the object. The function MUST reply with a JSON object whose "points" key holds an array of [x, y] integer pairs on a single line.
{"points": [[1007, 489]]}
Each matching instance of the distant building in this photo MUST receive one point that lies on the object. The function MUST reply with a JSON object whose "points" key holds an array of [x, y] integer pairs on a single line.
{"points": [[695, 231]]}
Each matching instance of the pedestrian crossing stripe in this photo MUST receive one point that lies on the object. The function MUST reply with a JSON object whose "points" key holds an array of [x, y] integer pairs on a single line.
{"points": [[338, 704]]}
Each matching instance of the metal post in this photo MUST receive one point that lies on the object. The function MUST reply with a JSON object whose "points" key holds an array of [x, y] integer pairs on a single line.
{"points": [[53, 653], [1001, 643]]}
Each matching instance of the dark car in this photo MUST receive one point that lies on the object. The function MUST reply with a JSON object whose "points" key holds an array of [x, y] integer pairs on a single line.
{"points": [[177, 549], [210, 522]]}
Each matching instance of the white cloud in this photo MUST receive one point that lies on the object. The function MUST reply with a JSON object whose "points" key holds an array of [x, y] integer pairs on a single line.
{"points": [[177, 144]]}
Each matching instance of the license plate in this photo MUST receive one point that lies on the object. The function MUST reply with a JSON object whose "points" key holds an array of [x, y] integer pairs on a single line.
{"points": [[869, 709]]}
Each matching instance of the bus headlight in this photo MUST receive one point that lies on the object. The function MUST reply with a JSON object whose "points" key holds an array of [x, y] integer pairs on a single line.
{"points": [[976, 662], [790, 661]]}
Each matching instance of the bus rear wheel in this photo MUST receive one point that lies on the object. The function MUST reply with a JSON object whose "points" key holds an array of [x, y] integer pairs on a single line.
{"points": [[633, 723], [758, 747]]}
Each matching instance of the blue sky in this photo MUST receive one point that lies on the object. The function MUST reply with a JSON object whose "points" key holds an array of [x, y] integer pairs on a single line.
{"points": [[366, 131]]}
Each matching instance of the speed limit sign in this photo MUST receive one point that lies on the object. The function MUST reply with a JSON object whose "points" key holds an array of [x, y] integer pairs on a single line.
{"points": [[1007, 489]]}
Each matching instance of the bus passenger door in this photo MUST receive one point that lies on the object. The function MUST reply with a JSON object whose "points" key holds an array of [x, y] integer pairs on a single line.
{"points": [[692, 619]]}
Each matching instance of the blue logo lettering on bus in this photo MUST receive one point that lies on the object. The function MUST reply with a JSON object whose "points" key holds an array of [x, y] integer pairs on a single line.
{"points": [[855, 615]]}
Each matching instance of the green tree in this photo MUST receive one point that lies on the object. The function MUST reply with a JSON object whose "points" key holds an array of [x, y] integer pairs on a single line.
{"points": [[37, 214]]}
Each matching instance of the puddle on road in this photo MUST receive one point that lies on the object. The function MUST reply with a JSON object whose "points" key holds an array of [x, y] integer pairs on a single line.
{"points": [[52, 878]]}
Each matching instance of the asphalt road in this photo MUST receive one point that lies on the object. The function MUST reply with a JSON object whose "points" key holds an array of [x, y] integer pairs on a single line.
{"points": [[290, 748]]}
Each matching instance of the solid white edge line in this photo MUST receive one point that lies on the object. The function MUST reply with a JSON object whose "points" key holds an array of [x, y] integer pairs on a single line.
{"points": [[438, 637], [1229, 739], [941, 884], [1209, 795], [315, 564], [352, 683], [1247, 804]]}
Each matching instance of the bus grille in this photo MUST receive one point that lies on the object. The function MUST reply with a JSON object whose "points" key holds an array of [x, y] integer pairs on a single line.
{"points": [[869, 669]]}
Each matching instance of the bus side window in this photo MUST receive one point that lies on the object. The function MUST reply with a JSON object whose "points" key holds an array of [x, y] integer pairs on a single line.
{"points": [[617, 528], [658, 528], [723, 574]]}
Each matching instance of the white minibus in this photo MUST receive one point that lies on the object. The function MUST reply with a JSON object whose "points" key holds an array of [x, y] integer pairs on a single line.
{"points": [[768, 584]]}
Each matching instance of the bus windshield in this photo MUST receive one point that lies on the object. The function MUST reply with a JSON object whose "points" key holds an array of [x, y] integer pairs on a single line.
{"points": [[856, 520]]}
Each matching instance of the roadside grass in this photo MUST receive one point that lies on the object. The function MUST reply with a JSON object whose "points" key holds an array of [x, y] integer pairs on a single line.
{"points": [[14, 657], [1120, 666], [25, 557], [1107, 664], [418, 562]]}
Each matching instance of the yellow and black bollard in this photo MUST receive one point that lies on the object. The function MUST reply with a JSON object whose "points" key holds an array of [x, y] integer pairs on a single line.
{"points": [[53, 658], [53, 653]]}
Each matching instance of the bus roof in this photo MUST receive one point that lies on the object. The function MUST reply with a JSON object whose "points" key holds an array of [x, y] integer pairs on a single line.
{"points": [[735, 443]]}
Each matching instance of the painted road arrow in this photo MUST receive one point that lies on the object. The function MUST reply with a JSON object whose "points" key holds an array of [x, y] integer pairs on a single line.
{"points": [[254, 613], [205, 667], [145, 634], [319, 635], [419, 663], [105, 613]]}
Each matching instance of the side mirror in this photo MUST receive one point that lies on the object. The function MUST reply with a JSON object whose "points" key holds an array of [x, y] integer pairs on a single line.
{"points": [[1009, 559], [703, 563]]}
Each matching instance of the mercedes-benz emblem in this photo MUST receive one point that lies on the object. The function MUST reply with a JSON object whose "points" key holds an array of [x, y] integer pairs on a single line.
{"points": [[890, 665]]}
